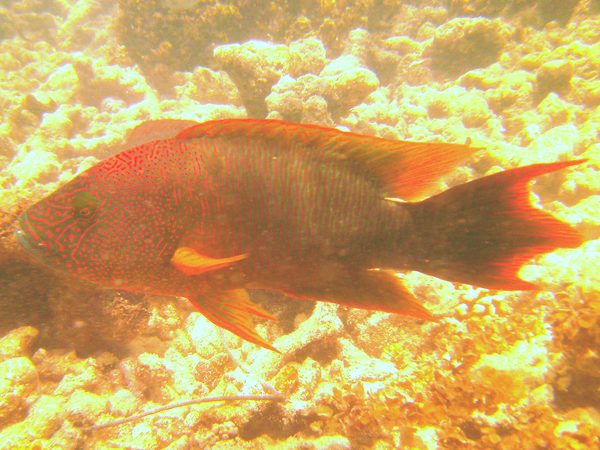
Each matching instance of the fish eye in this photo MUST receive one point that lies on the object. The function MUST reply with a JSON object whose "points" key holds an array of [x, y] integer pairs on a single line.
{"points": [[85, 204], [84, 212]]}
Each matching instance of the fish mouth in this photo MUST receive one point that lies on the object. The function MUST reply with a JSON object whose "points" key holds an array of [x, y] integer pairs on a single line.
{"points": [[24, 240], [24, 237]]}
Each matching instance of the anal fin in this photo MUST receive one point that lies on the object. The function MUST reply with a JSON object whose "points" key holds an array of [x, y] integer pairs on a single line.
{"points": [[233, 310], [372, 289]]}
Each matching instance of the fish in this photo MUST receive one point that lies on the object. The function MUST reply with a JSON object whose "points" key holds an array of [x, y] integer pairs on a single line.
{"points": [[210, 211]]}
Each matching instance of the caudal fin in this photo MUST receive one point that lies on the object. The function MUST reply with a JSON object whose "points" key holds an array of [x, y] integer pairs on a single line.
{"points": [[482, 232]]}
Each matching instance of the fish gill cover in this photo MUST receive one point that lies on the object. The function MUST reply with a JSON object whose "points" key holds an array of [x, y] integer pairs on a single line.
{"points": [[496, 369]]}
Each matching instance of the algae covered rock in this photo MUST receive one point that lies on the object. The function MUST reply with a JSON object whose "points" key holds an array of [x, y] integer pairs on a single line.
{"points": [[470, 106], [17, 342], [554, 76], [556, 144], [181, 35], [85, 407], [43, 420], [123, 402], [300, 100], [513, 374], [35, 165], [306, 56], [537, 12], [208, 86], [18, 379], [255, 67], [348, 82], [464, 44], [157, 32]]}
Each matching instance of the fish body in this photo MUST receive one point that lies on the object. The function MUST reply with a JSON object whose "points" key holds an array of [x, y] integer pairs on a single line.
{"points": [[219, 207]]}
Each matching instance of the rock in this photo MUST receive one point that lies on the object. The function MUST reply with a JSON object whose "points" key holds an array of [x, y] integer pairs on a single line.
{"points": [[306, 56], [557, 111], [144, 436], [150, 369], [358, 366], [558, 143], [476, 111], [550, 10], [516, 372], [463, 44], [8, 148], [85, 407], [210, 371], [17, 342], [204, 336], [18, 379], [34, 164], [62, 82], [300, 100], [183, 443], [554, 76], [586, 92], [566, 426], [315, 111], [123, 403], [468, 105], [86, 376], [209, 86], [348, 83], [183, 373], [586, 213], [325, 443], [323, 325], [478, 7], [45, 417], [513, 90], [309, 376], [254, 67], [286, 380]]}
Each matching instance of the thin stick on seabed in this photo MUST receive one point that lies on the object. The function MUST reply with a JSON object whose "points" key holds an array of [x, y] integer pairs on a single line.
{"points": [[223, 398], [275, 396]]}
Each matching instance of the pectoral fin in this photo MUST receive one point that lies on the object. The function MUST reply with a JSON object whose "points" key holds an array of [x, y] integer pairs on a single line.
{"points": [[190, 262], [233, 310]]}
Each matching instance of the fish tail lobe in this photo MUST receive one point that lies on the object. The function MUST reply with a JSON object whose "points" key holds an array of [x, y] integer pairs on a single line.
{"points": [[482, 232]]}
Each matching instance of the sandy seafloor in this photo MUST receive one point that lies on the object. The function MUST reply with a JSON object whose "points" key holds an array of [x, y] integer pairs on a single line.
{"points": [[496, 370]]}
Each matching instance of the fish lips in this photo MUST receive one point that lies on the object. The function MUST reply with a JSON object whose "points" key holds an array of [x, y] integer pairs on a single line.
{"points": [[25, 238]]}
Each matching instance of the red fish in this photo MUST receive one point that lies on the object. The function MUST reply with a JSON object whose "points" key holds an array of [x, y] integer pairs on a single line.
{"points": [[219, 207]]}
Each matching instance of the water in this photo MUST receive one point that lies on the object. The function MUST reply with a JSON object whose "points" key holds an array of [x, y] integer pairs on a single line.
{"points": [[498, 369]]}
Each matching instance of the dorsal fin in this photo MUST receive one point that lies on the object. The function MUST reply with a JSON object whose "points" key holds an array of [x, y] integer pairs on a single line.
{"points": [[406, 169], [154, 130]]}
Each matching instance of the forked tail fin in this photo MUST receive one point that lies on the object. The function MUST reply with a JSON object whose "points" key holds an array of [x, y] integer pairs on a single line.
{"points": [[482, 232]]}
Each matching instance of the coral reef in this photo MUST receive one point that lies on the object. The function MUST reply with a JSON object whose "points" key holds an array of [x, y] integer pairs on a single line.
{"points": [[182, 36], [495, 370], [464, 44]]}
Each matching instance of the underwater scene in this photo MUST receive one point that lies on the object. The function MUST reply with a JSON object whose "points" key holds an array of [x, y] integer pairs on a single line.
{"points": [[299, 225]]}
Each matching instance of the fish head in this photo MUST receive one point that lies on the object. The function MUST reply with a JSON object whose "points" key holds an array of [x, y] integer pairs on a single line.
{"points": [[95, 228]]}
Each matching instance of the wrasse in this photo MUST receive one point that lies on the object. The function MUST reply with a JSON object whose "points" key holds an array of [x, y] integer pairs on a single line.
{"points": [[206, 211]]}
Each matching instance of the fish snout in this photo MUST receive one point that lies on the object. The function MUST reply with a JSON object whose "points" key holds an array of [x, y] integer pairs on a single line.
{"points": [[27, 236]]}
